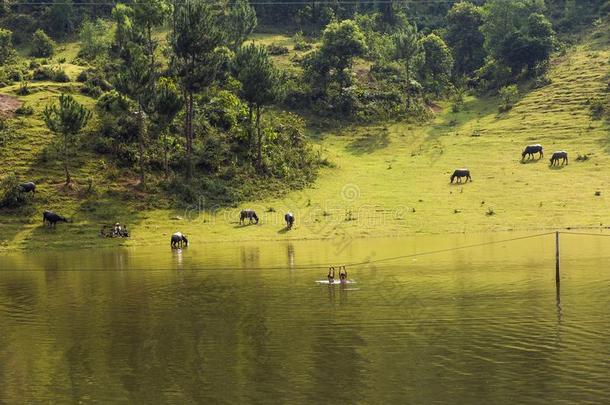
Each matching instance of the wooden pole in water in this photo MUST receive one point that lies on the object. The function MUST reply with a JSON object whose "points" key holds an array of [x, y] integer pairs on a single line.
{"points": [[557, 276]]}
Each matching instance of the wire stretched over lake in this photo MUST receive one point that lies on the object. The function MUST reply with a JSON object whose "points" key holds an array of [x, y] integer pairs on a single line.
{"points": [[353, 264]]}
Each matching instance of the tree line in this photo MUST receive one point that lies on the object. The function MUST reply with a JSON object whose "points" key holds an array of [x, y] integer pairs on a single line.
{"points": [[180, 89]]}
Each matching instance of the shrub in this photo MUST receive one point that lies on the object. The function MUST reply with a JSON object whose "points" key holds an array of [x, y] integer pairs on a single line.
{"points": [[91, 90], [299, 42], [56, 74], [24, 109], [275, 49], [10, 196], [508, 97], [23, 89], [42, 45], [599, 107], [60, 76]]}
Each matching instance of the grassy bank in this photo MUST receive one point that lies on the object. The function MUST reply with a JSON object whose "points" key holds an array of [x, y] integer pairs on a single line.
{"points": [[389, 179]]}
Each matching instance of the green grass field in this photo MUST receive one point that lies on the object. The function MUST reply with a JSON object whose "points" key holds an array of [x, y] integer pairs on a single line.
{"points": [[389, 179]]}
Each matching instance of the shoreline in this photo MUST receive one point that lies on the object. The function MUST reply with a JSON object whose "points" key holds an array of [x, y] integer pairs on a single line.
{"points": [[125, 242]]}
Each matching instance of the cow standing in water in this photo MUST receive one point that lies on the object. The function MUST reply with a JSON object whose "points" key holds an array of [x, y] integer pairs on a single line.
{"points": [[289, 218], [459, 173], [52, 218], [530, 150], [178, 240], [562, 154], [28, 187], [247, 214]]}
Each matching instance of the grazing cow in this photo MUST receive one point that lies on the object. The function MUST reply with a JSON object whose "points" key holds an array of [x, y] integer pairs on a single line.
{"points": [[459, 173], [27, 187], [289, 218], [530, 150], [562, 154], [178, 240], [248, 214], [52, 218]]}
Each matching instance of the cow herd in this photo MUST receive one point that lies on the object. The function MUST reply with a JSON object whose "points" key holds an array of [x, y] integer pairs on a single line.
{"points": [[179, 240], [530, 151]]}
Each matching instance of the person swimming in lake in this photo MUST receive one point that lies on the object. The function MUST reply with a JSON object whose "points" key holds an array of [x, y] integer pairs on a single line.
{"points": [[342, 275], [331, 275]]}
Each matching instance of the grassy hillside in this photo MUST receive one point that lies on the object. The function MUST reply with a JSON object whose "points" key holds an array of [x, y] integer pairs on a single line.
{"points": [[390, 179]]}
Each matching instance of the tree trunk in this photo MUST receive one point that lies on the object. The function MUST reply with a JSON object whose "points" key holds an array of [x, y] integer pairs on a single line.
{"points": [[189, 137], [141, 129], [66, 169], [165, 151], [259, 156], [250, 126]]}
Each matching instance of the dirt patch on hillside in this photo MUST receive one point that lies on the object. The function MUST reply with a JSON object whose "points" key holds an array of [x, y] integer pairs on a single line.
{"points": [[8, 105]]}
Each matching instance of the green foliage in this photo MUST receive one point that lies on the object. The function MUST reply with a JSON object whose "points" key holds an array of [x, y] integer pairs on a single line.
{"points": [[464, 37], [260, 85], [24, 109], [517, 34], [56, 74], [240, 21], [408, 50], [24, 89], [196, 44], [95, 39], [10, 195], [438, 64], [600, 107], [508, 97], [60, 17], [7, 52], [300, 44], [67, 118], [341, 43], [42, 45]]}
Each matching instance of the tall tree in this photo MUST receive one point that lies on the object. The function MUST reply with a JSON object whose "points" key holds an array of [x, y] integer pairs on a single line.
{"points": [[408, 49], [341, 43], [67, 118], [135, 79], [465, 38], [438, 63], [195, 39], [260, 86], [60, 17], [167, 104], [240, 21], [148, 15], [7, 52]]}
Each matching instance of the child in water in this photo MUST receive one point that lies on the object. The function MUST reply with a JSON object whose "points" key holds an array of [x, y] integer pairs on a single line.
{"points": [[343, 275], [331, 275]]}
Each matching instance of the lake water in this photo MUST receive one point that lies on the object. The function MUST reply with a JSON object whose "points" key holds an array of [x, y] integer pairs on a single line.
{"points": [[244, 323]]}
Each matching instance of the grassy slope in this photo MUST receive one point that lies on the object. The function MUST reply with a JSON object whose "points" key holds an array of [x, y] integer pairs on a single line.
{"points": [[390, 179]]}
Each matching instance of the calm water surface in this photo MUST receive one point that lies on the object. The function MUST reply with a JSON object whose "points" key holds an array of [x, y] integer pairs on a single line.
{"points": [[237, 323]]}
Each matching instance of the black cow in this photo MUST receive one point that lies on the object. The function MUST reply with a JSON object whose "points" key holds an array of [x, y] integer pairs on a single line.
{"points": [[562, 154], [248, 214], [27, 187], [289, 218], [52, 218], [178, 240], [530, 150], [459, 173]]}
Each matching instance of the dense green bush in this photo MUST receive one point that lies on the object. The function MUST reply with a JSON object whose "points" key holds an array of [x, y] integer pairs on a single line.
{"points": [[55, 74], [42, 45], [10, 196], [24, 109], [508, 97]]}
